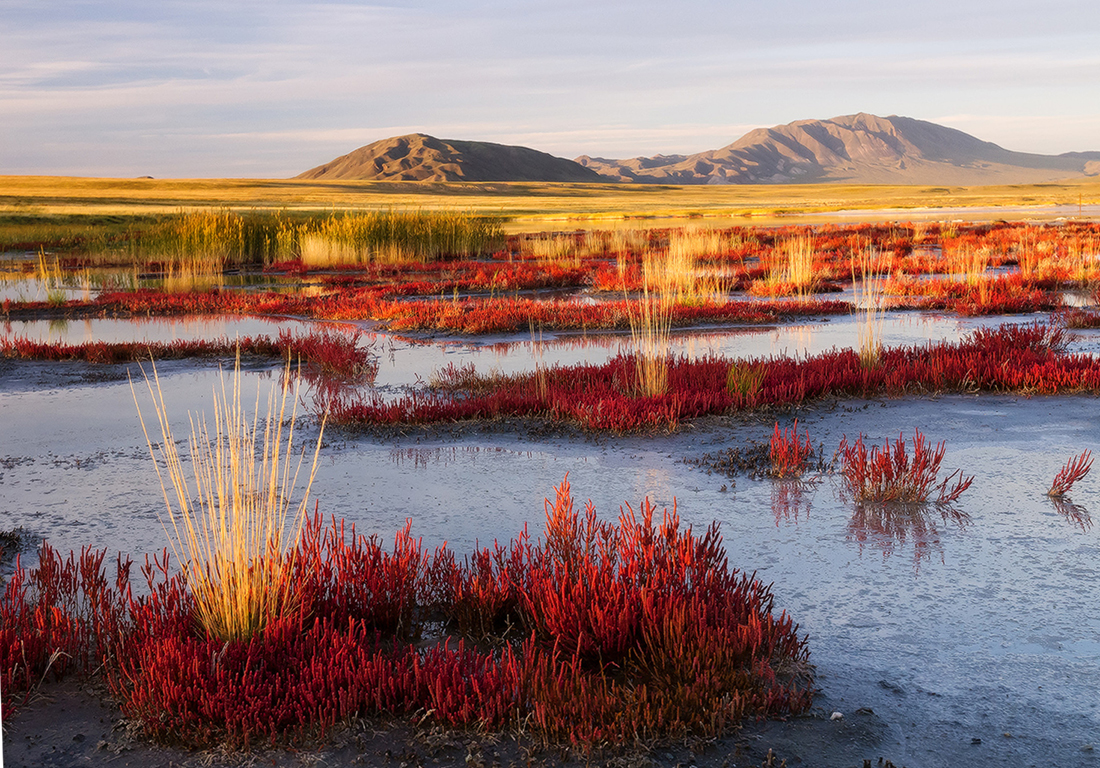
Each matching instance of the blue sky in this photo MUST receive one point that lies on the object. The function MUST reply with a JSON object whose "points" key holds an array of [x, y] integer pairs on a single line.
{"points": [[269, 88]]}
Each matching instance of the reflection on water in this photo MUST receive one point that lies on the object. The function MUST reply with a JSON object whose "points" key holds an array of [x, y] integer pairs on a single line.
{"points": [[884, 526], [792, 499], [155, 329], [1073, 513], [19, 284], [424, 458]]}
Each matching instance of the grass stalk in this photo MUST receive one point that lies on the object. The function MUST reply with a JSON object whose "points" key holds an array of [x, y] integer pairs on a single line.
{"points": [[650, 327], [869, 299], [233, 525]]}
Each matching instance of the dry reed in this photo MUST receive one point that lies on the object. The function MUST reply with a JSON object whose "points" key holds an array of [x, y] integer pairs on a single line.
{"points": [[234, 531], [650, 327], [870, 299]]}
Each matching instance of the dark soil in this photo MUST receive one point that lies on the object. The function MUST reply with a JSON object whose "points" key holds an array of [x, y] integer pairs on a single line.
{"points": [[75, 723]]}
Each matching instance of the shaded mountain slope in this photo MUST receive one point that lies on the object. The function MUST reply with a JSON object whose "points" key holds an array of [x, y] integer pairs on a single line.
{"points": [[419, 157], [858, 148]]}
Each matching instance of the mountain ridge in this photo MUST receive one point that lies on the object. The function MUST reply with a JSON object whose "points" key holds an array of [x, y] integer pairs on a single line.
{"points": [[860, 148]]}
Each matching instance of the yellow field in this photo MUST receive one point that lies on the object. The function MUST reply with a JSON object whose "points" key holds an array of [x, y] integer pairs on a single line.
{"points": [[527, 205]]}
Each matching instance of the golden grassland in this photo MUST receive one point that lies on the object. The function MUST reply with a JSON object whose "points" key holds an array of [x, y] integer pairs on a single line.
{"points": [[528, 205]]}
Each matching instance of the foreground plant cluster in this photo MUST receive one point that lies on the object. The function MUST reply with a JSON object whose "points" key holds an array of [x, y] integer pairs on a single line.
{"points": [[628, 632]]}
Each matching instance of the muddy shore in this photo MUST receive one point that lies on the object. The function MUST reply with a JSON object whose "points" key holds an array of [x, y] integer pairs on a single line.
{"points": [[74, 723]]}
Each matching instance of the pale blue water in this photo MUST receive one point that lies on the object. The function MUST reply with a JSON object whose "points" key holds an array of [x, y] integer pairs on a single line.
{"points": [[973, 626]]}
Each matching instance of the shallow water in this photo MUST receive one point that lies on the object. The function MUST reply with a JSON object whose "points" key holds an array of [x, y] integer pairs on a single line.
{"points": [[972, 624], [1035, 213]]}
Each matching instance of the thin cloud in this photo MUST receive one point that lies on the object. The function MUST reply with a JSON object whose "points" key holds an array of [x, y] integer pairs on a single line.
{"points": [[210, 84]]}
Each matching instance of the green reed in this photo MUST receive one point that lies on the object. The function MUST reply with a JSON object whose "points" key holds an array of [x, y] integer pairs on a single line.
{"points": [[209, 241], [397, 236]]}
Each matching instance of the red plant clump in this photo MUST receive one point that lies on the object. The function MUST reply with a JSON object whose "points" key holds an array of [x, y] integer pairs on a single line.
{"points": [[476, 316], [990, 295], [327, 354], [787, 453], [890, 474], [1013, 358], [1078, 318], [600, 633], [52, 618], [1073, 470]]}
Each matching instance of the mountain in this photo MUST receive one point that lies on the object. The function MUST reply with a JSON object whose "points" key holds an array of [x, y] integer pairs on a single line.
{"points": [[859, 148], [419, 157]]}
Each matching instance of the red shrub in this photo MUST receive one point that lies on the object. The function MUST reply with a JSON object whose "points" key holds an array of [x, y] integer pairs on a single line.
{"points": [[1012, 358], [787, 454], [328, 355], [1073, 470], [890, 474], [55, 618]]}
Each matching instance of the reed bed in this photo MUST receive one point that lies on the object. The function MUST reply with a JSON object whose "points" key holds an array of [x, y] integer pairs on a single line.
{"points": [[210, 241], [396, 237]]}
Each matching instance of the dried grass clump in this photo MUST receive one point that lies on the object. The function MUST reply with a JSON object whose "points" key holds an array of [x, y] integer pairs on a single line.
{"points": [[871, 301], [233, 525], [650, 327]]}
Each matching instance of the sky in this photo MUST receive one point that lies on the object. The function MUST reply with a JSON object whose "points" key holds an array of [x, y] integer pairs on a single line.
{"points": [[271, 88]]}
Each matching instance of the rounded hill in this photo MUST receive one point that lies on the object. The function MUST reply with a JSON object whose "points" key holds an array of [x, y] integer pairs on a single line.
{"points": [[419, 157]]}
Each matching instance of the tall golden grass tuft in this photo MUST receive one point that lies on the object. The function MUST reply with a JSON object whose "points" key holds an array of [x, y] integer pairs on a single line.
{"points": [[1082, 261], [792, 264], [650, 327], [235, 532], [870, 300], [563, 249]]}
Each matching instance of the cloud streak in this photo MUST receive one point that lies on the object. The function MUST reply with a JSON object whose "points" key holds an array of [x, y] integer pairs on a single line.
{"points": [[194, 87]]}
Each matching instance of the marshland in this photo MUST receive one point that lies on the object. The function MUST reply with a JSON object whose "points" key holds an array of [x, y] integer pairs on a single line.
{"points": [[837, 463]]}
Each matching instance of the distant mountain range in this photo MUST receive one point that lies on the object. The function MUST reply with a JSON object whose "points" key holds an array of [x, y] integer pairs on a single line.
{"points": [[863, 149]]}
